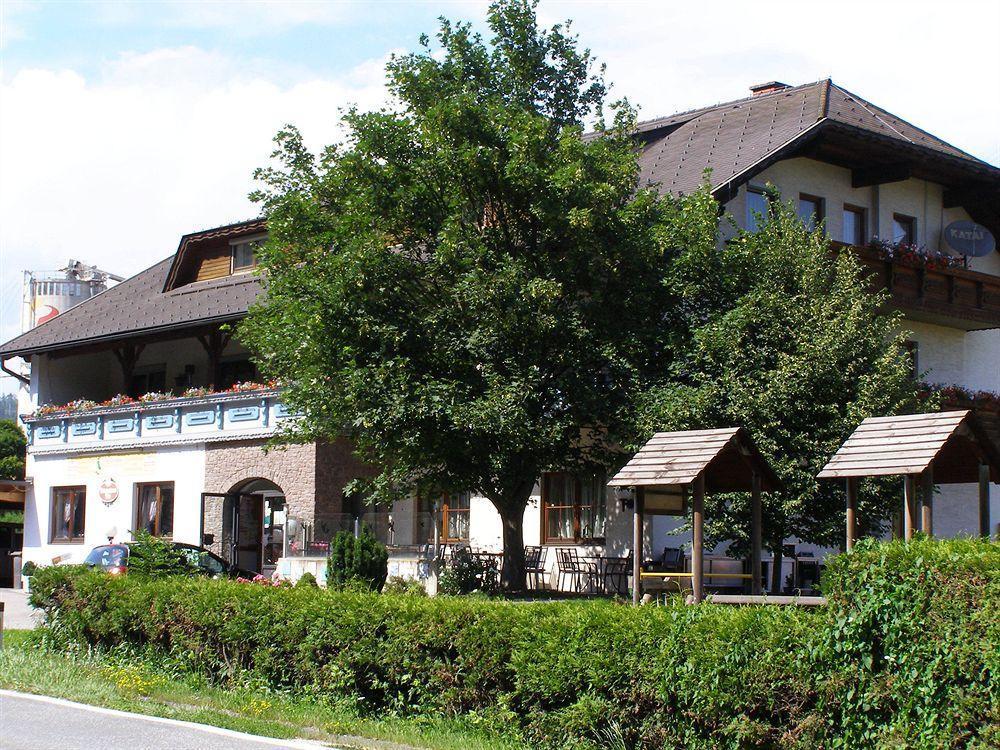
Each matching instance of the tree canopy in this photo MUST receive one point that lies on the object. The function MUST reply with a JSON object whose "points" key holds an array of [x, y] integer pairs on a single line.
{"points": [[12, 450], [474, 291]]}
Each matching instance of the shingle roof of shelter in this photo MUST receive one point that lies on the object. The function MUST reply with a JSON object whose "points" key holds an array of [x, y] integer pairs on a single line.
{"points": [[909, 444], [727, 456]]}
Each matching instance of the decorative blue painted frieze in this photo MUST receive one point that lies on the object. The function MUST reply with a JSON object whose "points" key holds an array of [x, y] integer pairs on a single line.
{"points": [[198, 418], [123, 424]]}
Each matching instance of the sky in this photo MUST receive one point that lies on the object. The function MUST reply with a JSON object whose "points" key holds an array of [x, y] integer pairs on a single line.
{"points": [[124, 125]]}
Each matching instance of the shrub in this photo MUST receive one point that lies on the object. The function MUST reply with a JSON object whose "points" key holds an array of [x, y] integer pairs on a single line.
{"points": [[29, 568], [398, 585], [905, 655], [464, 573], [306, 579], [357, 562], [152, 557]]}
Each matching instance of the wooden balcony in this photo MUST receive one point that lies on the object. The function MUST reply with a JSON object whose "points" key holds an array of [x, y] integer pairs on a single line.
{"points": [[173, 421], [953, 297]]}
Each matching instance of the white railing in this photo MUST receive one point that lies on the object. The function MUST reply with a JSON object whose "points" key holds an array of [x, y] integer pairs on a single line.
{"points": [[215, 417]]}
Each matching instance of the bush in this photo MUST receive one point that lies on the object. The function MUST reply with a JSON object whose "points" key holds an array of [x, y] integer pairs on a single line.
{"points": [[29, 568], [905, 655], [152, 557], [398, 585], [357, 562], [306, 579], [464, 573]]}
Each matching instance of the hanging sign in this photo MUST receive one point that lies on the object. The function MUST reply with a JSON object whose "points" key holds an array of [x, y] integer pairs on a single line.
{"points": [[108, 490], [969, 238]]}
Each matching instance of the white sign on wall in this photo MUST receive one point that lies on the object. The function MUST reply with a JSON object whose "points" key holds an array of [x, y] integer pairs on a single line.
{"points": [[108, 490]]}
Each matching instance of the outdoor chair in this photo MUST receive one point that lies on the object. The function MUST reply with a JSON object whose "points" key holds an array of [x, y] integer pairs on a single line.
{"points": [[578, 572], [617, 570], [534, 565], [671, 561]]}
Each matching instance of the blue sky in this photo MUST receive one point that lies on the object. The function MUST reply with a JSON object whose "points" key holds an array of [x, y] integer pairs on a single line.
{"points": [[126, 124]]}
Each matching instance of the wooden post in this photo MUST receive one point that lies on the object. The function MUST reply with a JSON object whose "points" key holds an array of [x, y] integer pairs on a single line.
{"points": [[909, 506], [852, 510], [927, 501], [984, 500], [638, 504], [755, 535], [698, 538]]}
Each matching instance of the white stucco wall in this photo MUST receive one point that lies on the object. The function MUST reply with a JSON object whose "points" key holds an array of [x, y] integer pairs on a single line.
{"points": [[184, 466]]}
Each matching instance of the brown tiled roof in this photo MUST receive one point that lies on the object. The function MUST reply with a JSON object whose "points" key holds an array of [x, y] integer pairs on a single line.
{"points": [[734, 138], [139, 305]]}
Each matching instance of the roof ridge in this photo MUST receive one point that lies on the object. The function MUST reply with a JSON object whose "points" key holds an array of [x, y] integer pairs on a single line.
{"points": [[650, 124], [870, 106]]}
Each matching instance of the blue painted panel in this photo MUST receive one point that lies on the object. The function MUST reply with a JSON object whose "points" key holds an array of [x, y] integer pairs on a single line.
{"points": [[48, 431], [281, 411], [83, 428], [158, 421], [125, 424], [244, 414], [195, 418]]}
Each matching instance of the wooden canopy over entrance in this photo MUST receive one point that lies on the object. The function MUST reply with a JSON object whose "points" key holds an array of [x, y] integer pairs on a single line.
{"points": [[675, 465], [939, 448], [12, 490]]}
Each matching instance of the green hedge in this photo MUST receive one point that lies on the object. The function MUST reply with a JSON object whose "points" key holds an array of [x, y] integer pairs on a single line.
{"points": [[904, 656]]}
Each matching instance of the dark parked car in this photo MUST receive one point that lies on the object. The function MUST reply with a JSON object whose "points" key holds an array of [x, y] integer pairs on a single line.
{"points": [[113, 558]]}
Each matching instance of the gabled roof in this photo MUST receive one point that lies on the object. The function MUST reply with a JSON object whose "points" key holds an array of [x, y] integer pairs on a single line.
{"points": [[140, 305], [739, 138], [669, 459], [952, 441]]}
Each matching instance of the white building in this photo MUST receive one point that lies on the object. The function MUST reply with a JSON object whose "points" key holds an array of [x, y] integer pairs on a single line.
{"points": [[189, 463]]}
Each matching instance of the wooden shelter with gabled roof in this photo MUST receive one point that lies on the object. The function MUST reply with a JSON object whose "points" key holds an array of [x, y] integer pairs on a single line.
{"points": [[672, 466], [938, 448]]}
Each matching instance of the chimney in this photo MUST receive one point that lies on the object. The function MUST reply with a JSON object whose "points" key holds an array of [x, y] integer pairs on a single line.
{"points": [[768, 88]]}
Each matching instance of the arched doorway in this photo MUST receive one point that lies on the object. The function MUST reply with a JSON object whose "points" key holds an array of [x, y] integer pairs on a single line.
{"points": [[258, 525]]}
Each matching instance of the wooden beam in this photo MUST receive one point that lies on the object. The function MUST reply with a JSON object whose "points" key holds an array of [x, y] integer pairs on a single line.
{"points": [[880, 175], [698, 539], [756, 534], [984, 500], [637, 513], [852, 510], [909, 505], [927, 501], [127, 356]]}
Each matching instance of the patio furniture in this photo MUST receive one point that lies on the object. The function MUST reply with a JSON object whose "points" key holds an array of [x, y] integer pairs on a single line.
{"points": [[534, 565], [617, 569], [575, 570]]}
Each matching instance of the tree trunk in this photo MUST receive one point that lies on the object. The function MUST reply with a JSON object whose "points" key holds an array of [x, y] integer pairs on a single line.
{"points": [[512, 576], [776, 583]]}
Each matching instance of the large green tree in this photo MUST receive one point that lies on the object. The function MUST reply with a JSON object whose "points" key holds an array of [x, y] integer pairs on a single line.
{"points": [[466, 284], [12, 450], [794, 347]]}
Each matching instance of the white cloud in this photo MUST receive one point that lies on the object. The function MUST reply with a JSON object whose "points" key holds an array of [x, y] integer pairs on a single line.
{"points": [[114, 170]]}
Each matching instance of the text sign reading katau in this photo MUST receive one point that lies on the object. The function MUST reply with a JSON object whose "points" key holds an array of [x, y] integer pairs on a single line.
{"points": [[969, 238]]}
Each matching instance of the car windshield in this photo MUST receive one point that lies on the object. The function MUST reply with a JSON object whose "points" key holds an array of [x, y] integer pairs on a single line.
{"points": [[204, 560], [108, 556]]}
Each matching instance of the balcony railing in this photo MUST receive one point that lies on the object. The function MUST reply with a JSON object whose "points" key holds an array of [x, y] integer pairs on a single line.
{"points": [[954, 297], [210, 418]]}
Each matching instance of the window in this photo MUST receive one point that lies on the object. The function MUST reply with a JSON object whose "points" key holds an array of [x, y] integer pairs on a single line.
{"points": [[573, 508], [155, 512], [245, 254], [69, 508], [904, 229], [454, 518], [757, 209], [810, 211], [853, 232], [236, 371], [148, 382]]}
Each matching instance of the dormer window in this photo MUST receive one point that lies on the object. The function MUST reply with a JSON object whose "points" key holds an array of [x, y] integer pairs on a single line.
{"points": [[245, 253]]}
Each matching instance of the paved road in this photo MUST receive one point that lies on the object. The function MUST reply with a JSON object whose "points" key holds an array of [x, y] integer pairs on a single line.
{"points": [[16, 612], [39, 723]]}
